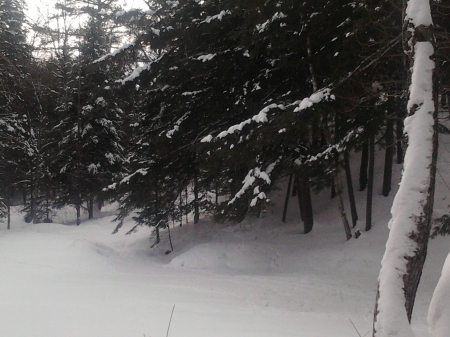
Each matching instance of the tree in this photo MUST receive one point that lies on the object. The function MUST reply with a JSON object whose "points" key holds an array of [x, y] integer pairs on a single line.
{"points": [[90, 152], [21, 120], [406, 247]]}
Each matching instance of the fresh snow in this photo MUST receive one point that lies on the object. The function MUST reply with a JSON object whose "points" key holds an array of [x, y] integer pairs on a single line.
{"points": [[134, 74], [206, 57], [216, 17], [410, 200], [261, 117], [439, 313], [259, 278]]}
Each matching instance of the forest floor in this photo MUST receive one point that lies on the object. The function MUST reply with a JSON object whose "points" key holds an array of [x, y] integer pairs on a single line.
{"points": [[259, 278]]}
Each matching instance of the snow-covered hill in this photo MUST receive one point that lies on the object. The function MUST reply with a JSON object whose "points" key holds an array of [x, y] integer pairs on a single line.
{"points": [[258, 278]]}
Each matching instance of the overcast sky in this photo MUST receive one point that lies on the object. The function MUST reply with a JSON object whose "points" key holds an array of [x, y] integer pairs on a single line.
{"points": [[34, 6]]}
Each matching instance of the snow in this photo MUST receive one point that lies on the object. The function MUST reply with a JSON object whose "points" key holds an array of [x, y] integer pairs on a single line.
{"points": [[205, 58], [419, 12], [410, 200], [134, 74], [216, 17], [277, 16], [439, 313], [317, 97], [259, 278], [115, 52], [261, 117]]}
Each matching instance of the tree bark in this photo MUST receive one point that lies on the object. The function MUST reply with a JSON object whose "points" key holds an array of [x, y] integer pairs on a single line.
{"points": [[286, 201], [8, 208], [299, 198], [91, 206], [364, 166], [389, 157], [370, 183], [351, 193], [399, 132], [186, 204], [347, 229], [196, 201], [78, 208], [304, 195], [181, 208]]}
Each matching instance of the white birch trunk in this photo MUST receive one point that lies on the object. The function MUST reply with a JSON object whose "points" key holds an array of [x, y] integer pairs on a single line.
{"points": [[411, 211]]}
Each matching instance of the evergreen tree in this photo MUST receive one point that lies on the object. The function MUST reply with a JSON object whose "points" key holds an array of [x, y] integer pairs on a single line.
{"points": [[90, 151], [21, 114]]}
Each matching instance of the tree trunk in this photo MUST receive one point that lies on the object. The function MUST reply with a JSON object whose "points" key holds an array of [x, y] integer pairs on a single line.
{"points": [[389, 157], [217, 194], [347, 229], [333, 190], [91, 206], [286, 201], [299, 198], [186, 204], [399, 131], [78, 208], [304, 195], [363, 167], [196, 201], [158, 237], [370, 183], [8, 209], [406, 248], [181, 208], [351, 193]]}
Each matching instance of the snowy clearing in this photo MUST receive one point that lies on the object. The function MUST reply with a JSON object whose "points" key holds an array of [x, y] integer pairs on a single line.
{"points": [[259, 278]]}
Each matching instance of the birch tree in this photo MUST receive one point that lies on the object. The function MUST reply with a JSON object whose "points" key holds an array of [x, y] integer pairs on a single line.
{"points": [[406, 247]]}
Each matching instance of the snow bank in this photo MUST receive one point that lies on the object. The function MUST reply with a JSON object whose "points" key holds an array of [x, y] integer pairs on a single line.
{"points": [[439, 312]]}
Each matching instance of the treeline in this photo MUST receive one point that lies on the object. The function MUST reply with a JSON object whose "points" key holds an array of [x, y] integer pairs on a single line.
{"points": [[201, 106]]}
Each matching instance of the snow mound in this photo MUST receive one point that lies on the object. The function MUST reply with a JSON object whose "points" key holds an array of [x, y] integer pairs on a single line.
{"points": [[227, 257]]}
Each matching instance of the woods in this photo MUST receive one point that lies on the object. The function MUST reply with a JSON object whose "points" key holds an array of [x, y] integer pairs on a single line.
{"points": [[203, 107]]}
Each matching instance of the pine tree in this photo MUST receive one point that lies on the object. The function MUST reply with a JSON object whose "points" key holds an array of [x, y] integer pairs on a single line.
{"points": [[90, 151], [21, 122]]}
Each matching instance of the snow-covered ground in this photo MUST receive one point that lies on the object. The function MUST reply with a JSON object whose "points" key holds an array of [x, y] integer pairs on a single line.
{"points": [[258, 278]]}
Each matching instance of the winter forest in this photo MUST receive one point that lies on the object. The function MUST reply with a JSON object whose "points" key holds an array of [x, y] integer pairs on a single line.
{"points": [[193, 109]]}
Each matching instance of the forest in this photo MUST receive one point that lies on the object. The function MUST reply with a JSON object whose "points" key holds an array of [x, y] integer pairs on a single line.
{"points": [[201, 106], [213, 99]]}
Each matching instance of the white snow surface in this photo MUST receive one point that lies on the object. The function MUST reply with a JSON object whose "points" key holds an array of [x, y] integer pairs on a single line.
{"points": [[419, 12], [259, 278], [439, 313]]}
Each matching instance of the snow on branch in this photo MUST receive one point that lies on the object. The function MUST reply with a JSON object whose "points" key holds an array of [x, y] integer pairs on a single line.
{"points": [[262, 27], [216, 17], [134, 74], [250, 179], [128, 178], [341, 146], [206, 57], [317, 97], [176, 127], [115, 52], [261, 117]]}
